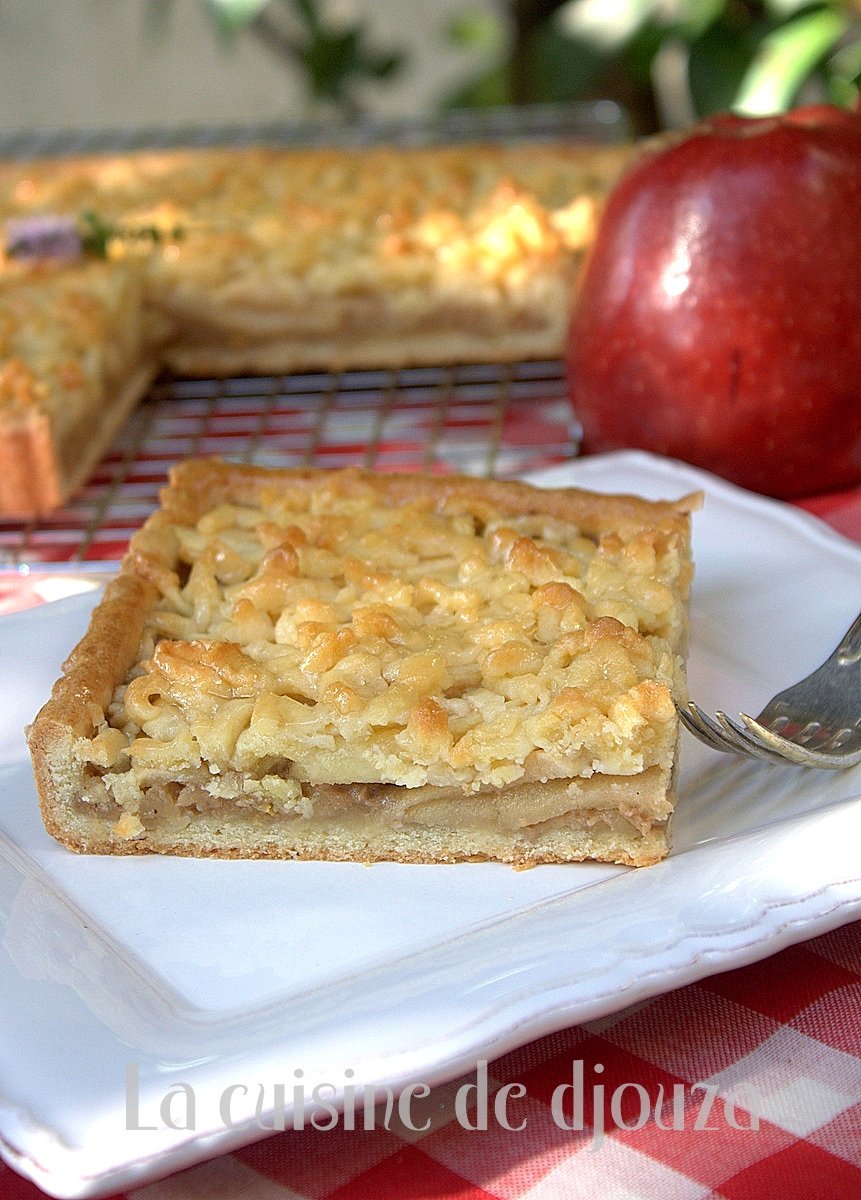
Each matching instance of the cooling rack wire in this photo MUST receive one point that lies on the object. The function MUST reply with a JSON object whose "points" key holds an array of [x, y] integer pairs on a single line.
{"points": [[487, 420]]}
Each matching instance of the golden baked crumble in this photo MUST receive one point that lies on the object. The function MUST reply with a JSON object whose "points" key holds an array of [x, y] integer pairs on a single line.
{"points": [[333, 221], [357, 665]]}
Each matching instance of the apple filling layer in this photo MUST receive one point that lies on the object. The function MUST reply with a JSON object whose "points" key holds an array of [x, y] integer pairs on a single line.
{"points": [[334, 664], [603, 816]]}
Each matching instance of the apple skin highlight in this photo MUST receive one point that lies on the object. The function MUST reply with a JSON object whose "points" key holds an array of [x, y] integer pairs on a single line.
{"points": [[718, 317]]}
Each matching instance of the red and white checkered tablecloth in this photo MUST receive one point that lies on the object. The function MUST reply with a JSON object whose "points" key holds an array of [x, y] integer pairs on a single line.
{"points": [[787, 1029]]}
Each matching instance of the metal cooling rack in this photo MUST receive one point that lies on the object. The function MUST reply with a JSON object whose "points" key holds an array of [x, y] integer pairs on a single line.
{"points": [[489, 420], [595, 121]]}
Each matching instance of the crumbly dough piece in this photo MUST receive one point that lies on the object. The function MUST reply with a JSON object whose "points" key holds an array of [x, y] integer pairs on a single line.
{"points": [[342, 665]]}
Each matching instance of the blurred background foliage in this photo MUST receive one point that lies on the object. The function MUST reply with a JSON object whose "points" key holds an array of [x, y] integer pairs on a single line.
{"points": [[332, 52], [667, 62]]}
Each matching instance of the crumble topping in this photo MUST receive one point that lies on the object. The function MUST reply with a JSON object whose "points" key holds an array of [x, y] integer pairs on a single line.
{"points": [[326, 635], [351, 216], [67, 333]]}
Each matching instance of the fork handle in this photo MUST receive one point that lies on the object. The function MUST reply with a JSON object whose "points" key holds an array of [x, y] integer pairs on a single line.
{"points": [[849, 650]]}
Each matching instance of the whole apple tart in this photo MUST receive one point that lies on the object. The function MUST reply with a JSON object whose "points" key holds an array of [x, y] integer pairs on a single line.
{"points": [[220, 262]]}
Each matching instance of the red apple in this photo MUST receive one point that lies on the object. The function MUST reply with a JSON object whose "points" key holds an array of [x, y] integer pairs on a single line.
{"points": [[718, 318]]}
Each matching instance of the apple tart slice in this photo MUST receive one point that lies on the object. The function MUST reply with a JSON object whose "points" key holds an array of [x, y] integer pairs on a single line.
{"points": [[76, 355], [338, 665]]}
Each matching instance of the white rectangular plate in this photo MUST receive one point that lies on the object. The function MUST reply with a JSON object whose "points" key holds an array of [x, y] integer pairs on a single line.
{"points": [[264, 973]]}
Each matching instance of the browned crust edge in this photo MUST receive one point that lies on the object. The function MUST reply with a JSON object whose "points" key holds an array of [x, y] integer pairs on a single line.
{"points": [[392, 352], [97, 664], [198, 484], [83, 450], [29, 471], [37, 475]]}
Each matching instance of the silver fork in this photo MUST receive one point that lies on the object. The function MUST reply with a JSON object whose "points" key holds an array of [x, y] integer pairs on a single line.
{"points": [[814, 723]]}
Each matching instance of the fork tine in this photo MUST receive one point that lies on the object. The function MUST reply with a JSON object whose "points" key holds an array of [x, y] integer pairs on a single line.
{"points": [[748, 742], [792, 751], [836, 738], [698, 728], [813, 723], [849, 649], [704, 727]]}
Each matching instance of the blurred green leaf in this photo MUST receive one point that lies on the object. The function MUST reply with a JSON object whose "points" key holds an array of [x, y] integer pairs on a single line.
{"points": [[843, 78], [718, 62], [476, 29], [384, 66], [783, 9], [640, 52], [232, 15], [843, 92], [688, 19], [306, 11], [847, 61], [335, 59], [329, 59], [562, 67], [785, 58]]}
